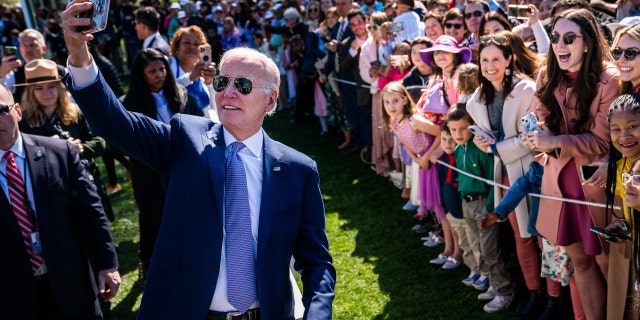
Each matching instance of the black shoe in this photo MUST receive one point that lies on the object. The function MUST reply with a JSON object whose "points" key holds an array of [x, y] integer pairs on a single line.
{"points": [[552, 311], [532, 308]]}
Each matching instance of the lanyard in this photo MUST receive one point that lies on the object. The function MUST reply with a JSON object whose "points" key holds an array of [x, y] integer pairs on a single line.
{"points": [[26, 203]]}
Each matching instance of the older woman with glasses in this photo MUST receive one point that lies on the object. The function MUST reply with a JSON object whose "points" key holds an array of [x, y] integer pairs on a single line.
{"points": [[577, 86]]}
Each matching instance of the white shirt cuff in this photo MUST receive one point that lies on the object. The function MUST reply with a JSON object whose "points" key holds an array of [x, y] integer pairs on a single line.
{"points": [[83, 76]]}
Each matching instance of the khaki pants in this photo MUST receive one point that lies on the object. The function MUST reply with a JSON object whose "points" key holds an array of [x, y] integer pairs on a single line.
{"points": [[489, 246]]}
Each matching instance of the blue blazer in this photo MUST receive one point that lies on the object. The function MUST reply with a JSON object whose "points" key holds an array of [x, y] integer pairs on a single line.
{"points": [[189, 153]]}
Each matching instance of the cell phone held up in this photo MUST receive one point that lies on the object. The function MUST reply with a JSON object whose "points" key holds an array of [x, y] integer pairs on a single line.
{"points": [[98, 14], [10, 51], [205, 54], [518, 11]]}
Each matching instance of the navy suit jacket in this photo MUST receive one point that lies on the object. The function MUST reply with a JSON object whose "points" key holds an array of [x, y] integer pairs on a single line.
{"points": [[343, 46], [73, 231], [189, 153]]}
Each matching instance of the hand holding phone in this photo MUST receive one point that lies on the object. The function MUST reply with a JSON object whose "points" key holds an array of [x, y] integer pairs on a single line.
{"points": [[479, 132], [610, 236], [98, 15], [398, 60], [205, 54], [587, 171], [10, 51]]}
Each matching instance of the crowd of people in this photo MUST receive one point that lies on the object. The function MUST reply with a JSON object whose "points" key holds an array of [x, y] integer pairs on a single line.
{"points": [[468, 107]]}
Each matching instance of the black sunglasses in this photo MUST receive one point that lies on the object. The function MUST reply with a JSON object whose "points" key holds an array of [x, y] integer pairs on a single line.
{"points": [[313, 10], [477, 13], [453, 25], [372, 27], [629, 53], [567, 38], [5, 109], [243, 85], [499, 40]]}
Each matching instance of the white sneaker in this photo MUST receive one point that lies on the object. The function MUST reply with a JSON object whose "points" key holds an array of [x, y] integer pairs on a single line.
{"points": [[498, 303], [490, 294]]}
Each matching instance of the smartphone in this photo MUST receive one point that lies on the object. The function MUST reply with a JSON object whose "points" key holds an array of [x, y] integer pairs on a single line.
{"points": [[10, 51], [205, 54], [587, 171], [98, 15], [398, 60], [530, 123], [611, 234], [518, 11], [396, 27], [479, 132], [376, 63]]}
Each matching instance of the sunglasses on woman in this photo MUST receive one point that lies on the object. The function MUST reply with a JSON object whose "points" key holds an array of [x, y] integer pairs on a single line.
{"points": [[499, 40], [456, 26], [477, 13], [5, 109], [372, 27], [313, 10], [567, 38], [634, 179], [629, 53], [243, 85]]}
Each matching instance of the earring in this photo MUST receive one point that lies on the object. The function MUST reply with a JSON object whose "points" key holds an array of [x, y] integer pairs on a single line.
{"points": [[507, 72], [585, 50]]}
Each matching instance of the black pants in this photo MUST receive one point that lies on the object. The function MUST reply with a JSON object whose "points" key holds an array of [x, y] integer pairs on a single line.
{"points": [[304, 96], [47, 307]]}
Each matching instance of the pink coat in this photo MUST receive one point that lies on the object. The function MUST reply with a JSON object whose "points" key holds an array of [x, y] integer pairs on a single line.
{"points": [[584, 148]]}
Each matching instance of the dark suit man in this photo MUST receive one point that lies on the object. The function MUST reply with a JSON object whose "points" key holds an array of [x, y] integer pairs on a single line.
{"points": [[147, 21], [191, 276], [355, 98], [49, 278]]}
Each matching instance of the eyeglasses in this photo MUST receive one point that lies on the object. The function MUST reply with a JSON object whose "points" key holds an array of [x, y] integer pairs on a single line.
{"points": [[453, 25], [372, 27], [634, 179], [567, 38], [388, 7], [313, 10], [5, 109], [499, 40], [477, 13], [243, 85], [629, 53]]}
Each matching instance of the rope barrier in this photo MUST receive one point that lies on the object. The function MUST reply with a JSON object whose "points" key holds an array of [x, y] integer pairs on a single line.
{"points": [[493, 183]]}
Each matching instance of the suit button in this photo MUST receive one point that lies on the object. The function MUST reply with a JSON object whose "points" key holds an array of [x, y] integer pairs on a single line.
{"points": [[216, 269], [220, 236]]}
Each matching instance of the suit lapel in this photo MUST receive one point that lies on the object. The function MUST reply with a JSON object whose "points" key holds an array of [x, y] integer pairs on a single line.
{"points": [[38, 173], [273, 171], [214, 153]]}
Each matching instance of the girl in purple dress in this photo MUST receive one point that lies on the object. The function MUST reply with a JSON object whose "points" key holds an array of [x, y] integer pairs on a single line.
{"points": [[401, 115]]}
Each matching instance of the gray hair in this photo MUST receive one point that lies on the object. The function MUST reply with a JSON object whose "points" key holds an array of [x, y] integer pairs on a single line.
{"points": [[33, 32], [271, 71], [291, 13]]}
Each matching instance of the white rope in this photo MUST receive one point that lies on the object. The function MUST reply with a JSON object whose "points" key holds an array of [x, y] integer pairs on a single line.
{"points": [[493, 183], [350, 82]]}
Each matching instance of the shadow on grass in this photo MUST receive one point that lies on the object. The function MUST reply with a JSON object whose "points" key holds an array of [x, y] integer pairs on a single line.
{"points": [[370, 207]]}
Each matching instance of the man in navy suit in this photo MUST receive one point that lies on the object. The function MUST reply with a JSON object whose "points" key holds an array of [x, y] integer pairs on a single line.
{"points": [[147, 21], [188, 276], [53, 230]]}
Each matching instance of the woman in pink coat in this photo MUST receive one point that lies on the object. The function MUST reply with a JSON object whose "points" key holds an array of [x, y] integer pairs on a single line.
{"points": [[577, 86]]}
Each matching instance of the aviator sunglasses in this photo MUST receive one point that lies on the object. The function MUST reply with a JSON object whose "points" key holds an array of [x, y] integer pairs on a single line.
{"points": [[5, 109], [499, 40], [243, 85], [453, 25], [567, 38], [629, 53], [477, 13]]}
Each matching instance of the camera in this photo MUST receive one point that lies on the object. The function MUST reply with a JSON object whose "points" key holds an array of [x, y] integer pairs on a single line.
{"points": [[98, 15]]}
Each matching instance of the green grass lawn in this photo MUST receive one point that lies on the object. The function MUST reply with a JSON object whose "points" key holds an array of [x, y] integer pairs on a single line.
{"points": [[383, 270]]}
